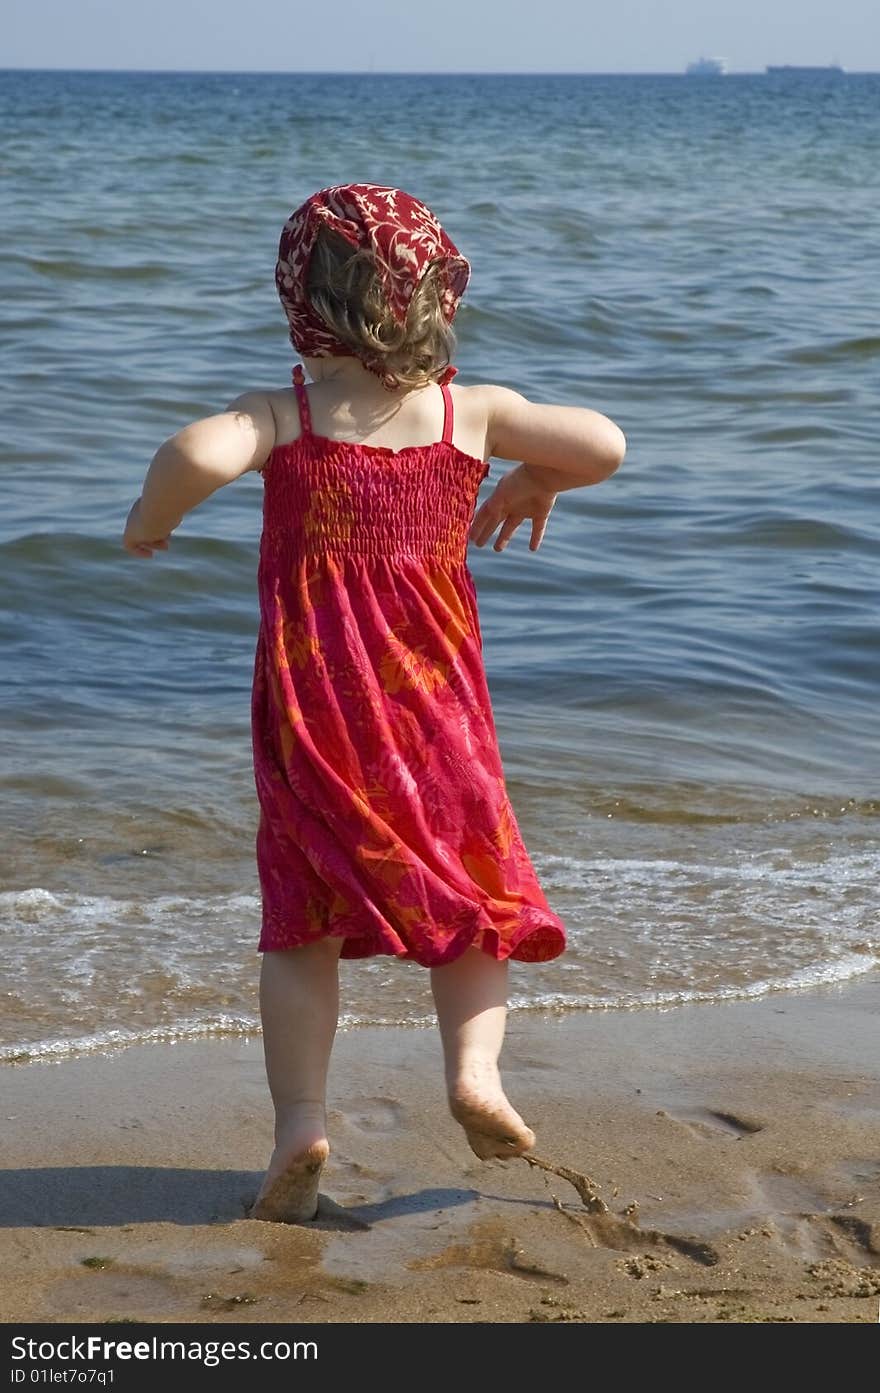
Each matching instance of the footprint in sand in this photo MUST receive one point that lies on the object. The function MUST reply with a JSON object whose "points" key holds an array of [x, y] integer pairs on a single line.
{"points": [[825, 1235], [714, 1122], [862, 1235], [375, 1115], [805, 1216]]}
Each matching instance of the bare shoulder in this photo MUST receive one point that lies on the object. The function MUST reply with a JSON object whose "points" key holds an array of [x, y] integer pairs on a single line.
{"points": [[475, 409], [481, 406], [257, 399], [255, 415], [283, 403], [513, 427]]}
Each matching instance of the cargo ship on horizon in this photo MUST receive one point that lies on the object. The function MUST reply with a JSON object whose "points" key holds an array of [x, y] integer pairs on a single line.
{"points": [[797, 68]]}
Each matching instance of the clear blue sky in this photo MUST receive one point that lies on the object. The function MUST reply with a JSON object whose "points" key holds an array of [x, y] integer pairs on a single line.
{"points": [[449, 36]]}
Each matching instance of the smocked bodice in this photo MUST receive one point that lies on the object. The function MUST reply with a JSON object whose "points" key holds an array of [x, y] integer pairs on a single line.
{"points": [[330, 496]]}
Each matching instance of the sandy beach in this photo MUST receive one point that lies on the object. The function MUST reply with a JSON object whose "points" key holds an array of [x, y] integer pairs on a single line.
{"points": [[736, 1146]]}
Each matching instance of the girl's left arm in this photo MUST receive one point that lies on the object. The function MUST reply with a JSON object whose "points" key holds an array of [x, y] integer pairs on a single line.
{"points": [[191, 465]]}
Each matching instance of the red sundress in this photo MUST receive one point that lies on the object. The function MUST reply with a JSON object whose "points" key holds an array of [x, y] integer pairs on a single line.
{"points": [[384, 816]]}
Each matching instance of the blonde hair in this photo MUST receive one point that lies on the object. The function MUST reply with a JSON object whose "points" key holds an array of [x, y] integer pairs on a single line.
{"points": [[345, 289]]}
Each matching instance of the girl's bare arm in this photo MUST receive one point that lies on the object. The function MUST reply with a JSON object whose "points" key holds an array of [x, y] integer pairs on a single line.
{"points": [[565, 447], [202, 457], [560, 447]]}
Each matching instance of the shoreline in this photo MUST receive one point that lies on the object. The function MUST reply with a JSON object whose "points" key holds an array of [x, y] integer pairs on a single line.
{"points": [[736, 1145], [113, 1040]]}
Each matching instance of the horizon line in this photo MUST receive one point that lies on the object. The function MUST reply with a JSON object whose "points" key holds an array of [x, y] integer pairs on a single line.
{"points": [[435, 72]]}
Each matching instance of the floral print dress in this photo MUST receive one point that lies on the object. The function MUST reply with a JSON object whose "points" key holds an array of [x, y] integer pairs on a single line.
{"points": [[383, 813]]}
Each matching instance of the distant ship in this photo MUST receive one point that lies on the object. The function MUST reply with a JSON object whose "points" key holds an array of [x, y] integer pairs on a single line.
{"points": [[707, 67], [794, 68]]}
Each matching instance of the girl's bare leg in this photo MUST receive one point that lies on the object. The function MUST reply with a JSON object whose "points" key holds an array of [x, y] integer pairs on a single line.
{"points": [[299, 1007], [471, 1000]]}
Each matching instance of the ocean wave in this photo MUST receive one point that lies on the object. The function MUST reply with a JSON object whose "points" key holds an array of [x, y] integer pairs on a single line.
{"points": [[113, 1041], [35, 904], [55, 1048], [820, 974]]}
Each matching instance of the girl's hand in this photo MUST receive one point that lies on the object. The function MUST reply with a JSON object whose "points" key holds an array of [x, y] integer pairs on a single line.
{"points": [[135, 539], [516, 497]]}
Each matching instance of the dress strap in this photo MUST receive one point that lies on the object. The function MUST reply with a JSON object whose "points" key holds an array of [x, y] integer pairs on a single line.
{"points": [[448, 421], [302, 400]]}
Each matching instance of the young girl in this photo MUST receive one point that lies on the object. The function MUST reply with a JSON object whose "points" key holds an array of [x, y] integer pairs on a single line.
{"points": [[385, 825]]}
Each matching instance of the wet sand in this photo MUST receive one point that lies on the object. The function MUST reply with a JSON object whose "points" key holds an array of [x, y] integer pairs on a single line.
{"points": [[736, 1147]]}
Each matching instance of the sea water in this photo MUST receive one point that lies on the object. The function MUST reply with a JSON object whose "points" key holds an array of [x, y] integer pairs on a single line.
{"points": [[684, 676]]}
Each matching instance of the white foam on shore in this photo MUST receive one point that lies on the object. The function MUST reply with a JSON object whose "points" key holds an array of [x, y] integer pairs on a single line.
{"points": [[36, 904], [112, 1041], [643, 932], [822, 974]]}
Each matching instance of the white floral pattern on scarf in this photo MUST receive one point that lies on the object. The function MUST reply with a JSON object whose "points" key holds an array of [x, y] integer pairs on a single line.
{"points": [[404, 236]]}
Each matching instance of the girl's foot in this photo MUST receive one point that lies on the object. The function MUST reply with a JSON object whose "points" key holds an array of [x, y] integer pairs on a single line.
{"points": [[289, 1192], [493, 1128]]}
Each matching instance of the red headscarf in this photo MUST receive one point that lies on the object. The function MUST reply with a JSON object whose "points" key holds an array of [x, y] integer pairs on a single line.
{"points": [[404, 237]]}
